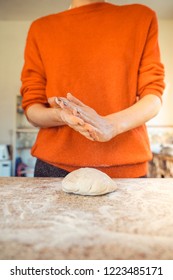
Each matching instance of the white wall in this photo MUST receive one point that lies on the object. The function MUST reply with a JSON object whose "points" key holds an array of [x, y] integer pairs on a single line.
{"points": [[13, 36], [12, 42], [165, 116]]}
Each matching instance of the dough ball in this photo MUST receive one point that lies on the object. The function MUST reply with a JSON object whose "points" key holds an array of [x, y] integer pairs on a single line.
{"points": [[88, 181]]}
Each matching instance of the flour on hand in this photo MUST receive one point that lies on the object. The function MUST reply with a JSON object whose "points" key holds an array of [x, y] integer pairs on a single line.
{"points": [[88, 181]]}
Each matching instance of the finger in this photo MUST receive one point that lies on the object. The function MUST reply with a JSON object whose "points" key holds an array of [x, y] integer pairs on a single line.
{"points": [[87, 135], [94, 132], [66, 104], [53, 103], [77, 120], [82, 130], [82, 112], [71, 119], [70, 97], [60, 101], [86, 117], [77, 111]]}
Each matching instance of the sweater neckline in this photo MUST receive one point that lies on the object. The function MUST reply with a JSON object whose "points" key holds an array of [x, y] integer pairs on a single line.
{"points": [[86, 8]]}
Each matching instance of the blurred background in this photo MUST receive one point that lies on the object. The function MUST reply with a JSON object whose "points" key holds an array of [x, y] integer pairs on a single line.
{"points": [[17, 136]]}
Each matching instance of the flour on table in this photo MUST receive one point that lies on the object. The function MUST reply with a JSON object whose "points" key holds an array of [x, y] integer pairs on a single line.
{"points": [[88, 181]]}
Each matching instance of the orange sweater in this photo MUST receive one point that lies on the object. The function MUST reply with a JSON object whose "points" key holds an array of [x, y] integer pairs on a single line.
{"points": [[107, 56]]}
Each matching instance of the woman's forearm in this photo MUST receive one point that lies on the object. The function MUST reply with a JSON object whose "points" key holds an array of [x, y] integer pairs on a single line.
{"points": [[101, 129], [41, 116], [141, 112]]}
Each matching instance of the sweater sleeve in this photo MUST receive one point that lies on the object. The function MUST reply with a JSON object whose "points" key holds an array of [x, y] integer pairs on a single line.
{"points": [[33, 75], [151, 70]]}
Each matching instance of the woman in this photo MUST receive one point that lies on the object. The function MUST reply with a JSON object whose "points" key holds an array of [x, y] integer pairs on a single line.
{"points": [[107, 57]]}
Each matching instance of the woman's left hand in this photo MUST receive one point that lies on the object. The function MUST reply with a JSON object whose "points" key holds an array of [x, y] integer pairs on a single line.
{"points": [[102, 127]]}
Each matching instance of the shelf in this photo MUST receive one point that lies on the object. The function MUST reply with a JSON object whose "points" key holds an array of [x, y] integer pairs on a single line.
{"points": [[23, 148], [30, 130], [24, 135]]}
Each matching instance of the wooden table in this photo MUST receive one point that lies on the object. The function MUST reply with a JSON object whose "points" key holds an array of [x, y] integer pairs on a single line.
{"points": [[39, 221]]}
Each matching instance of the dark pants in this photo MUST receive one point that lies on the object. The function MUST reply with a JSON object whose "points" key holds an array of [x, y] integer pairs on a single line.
{"points": [[43, 169]]}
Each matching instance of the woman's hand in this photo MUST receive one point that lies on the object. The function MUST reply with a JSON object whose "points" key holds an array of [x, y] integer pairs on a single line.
{"points": [[73, 120], [101, 128]]}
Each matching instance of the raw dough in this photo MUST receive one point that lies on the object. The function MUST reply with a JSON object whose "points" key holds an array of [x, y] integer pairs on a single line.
{"points": [[88, 181]]}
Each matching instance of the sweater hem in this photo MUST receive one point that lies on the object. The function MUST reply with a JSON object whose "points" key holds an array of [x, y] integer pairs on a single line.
{"points": [[118, 171]]}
